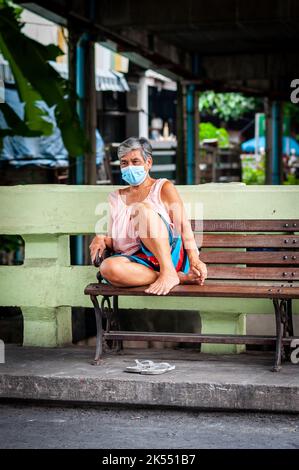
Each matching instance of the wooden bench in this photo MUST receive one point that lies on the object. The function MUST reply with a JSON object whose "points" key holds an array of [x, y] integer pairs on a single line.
{"points": [[250, 259]]}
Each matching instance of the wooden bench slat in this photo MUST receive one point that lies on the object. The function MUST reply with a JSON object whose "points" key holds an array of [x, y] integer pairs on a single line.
{"points": [[246, 241], [216, 290], [233, 272], [251, 257], [245, 225], [253, 282]]}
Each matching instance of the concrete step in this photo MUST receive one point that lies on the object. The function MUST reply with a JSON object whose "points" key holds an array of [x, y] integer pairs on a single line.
{"points": [[201, 381]]}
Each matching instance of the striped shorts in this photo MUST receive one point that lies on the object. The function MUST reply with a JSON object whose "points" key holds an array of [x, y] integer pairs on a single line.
{"points": [[178, 253]]}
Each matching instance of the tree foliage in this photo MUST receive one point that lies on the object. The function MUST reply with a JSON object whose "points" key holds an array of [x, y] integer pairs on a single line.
{"points": [[225, 105]]}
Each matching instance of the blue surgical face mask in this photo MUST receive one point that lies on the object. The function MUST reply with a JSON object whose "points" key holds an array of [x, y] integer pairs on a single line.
{"points": [[134, 174]]}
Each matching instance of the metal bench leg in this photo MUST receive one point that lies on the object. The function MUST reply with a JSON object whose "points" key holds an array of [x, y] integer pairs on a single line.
{"points": [[288, 329], [290, 318], [112, 315], [119, 343], [99, 341], [279, 335]]}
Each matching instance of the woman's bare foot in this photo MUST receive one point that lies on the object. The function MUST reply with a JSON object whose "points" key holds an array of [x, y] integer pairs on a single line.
{"points": [[165, 282], [189, 278]]}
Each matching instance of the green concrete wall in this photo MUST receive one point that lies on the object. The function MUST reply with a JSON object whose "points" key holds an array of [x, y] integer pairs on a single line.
{"points": [[46, 286]]}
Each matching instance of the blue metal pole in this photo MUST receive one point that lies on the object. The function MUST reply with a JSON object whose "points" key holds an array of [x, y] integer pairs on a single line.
{"points": [[190, 134], [276, 145], [80, 89]]}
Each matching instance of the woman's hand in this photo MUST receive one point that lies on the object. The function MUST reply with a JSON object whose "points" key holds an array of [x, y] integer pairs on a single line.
{"points": [[98, 244], [199, 268]]}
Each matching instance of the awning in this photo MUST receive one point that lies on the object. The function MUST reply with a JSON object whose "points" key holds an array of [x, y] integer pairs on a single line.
{"points": [[106, 80], [290, 145]]}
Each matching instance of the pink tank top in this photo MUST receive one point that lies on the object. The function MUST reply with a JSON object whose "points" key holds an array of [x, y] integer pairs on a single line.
{"points": [[121, 228]]}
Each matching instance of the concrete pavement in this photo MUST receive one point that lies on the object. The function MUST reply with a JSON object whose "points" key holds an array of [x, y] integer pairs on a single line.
{"points": [[199, 381]]}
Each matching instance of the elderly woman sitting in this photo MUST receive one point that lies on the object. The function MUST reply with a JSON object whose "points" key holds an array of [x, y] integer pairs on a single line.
{"points": [[148, 230]]}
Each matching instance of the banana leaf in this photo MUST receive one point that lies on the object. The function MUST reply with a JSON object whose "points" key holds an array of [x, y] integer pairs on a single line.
{"points": [[36, 80], [16, 126]]}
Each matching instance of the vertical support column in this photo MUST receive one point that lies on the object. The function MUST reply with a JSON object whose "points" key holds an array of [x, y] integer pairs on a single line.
{"points": [[76, 164], [223, 323], [273, 142], [82, 77], [196, 138], [90, 122], [180, 156], [143, 106], [45, 322], [72, 64], [79, 164], [277, 142], [82, 169], [86, 105], [80, 88], [268, 161], [190, 133]]}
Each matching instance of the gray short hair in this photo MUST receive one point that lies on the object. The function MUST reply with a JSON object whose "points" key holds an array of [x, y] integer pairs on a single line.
{"points": [[135, 143]]}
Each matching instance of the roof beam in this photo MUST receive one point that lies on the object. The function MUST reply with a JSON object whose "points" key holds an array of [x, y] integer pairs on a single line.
{"points": [[155, 51]]}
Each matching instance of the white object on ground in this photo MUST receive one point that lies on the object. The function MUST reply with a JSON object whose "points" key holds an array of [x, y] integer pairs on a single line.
{"points": [[149, 367]]}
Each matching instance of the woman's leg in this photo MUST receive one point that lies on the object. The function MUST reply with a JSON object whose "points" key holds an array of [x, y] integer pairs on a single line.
{"points": [[154, 235], [122, 272]]}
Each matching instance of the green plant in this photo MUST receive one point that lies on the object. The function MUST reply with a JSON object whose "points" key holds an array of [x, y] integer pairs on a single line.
{"points": [[253, 176], [291, 110], [253, 171], [37, 82], [208, 131], [226, 105], [291, 179]]}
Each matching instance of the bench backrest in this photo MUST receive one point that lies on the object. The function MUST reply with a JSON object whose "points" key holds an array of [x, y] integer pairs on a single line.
{"points": [[256, 250]]}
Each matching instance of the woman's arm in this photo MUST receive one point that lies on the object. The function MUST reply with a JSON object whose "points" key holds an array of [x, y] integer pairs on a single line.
{"points": [[101, 242], [175, 207]]}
